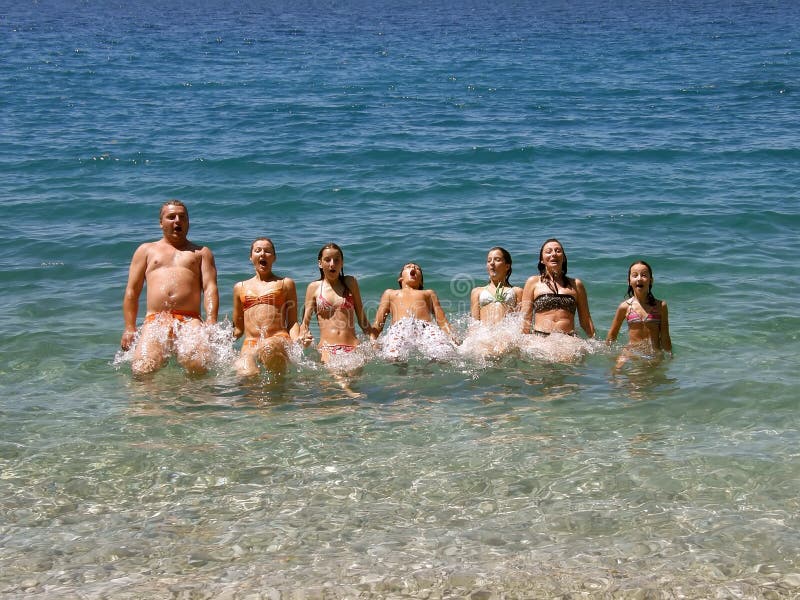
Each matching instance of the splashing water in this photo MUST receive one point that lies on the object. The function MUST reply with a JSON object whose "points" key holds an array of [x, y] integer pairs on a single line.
{"points": [[559, 347], [212, 342], [414, 338], [481, 344], [220, 342], [492, 340], [347, 363]]}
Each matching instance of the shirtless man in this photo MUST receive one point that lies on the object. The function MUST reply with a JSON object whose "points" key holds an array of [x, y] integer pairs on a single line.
{"points": [[178, 274]]}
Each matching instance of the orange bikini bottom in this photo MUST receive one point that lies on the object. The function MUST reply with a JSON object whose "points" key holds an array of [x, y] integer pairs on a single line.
{"points": [[254, 342], [181, 316]]}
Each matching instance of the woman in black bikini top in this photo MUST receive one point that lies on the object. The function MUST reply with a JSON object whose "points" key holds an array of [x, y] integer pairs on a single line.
{"points": [[551, 299]]}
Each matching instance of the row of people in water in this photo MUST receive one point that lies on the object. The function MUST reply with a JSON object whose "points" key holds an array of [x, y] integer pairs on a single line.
{"points": [[179, 273]]}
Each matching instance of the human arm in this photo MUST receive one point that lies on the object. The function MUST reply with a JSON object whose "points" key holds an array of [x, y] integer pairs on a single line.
{"points": [[518, 297], [363, 322], [666, 340], [290, 318], [296, 332], [130, 300], [238, 311], [583, 309], [208, 272], [309, 306], [616, 323], [383, 311], [526, 304], [474, 303], [438, 312]]}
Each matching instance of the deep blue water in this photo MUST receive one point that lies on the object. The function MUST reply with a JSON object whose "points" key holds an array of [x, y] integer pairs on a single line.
{"points": [[403, 131]]}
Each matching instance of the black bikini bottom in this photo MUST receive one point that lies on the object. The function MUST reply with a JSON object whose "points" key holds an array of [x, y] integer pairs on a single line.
{"points": [[546, 333]]}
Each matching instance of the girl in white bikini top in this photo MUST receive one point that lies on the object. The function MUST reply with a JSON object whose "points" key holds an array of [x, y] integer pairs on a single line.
{"points": [[502, 294], [492, 302]]}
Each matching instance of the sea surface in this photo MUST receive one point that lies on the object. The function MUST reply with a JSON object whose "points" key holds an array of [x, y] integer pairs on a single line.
{"points": [[404, 131]]}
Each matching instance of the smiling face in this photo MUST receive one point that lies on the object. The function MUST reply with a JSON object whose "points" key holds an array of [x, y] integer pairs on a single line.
{"points": [[498, 266], [262, 255], [552, 257], [174, 222], [411, 276]]}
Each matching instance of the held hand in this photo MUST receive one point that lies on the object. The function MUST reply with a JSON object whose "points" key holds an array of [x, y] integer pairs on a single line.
{"points": [[305, 337], [127, 340]]}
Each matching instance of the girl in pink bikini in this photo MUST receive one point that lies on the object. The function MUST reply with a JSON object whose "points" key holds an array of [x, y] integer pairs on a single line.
{"points": [[265, 312], [647, 317], [336, 300]]}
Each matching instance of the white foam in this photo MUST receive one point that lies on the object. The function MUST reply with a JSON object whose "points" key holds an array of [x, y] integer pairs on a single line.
{"points": [[414, 338], [559, 347], [212, 340], [493, 340]]}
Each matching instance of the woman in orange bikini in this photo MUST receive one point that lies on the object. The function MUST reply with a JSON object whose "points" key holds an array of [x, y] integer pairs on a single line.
{"points": [[336, 300], [647, 317], [265, 312]]}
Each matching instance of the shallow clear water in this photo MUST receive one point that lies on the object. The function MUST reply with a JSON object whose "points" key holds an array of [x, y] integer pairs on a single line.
{"points": [[404, 133]]}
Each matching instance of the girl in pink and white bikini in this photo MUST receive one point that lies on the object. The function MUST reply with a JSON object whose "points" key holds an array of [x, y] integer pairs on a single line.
{"points": [[647, 317], [336, 300]]}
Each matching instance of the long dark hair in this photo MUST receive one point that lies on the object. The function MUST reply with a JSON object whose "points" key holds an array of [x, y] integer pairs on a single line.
{"points": [[544, 275], [332, 246], [506, 257], [650, 298]]}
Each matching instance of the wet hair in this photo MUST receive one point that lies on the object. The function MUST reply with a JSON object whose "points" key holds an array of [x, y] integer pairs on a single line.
{"points": [[172, 203], [263, 239], [421, 275], [650, 298], [506, 257], [332, 246], [543, 274]]}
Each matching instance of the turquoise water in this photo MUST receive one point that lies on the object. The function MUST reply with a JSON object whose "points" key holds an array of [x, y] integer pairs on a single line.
{"points": [[404, 132]]}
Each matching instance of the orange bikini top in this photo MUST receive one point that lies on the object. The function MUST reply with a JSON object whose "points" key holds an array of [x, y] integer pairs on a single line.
{"points": [[273, 298]]}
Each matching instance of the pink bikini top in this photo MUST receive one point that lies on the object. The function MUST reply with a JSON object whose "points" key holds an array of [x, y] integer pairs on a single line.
{"points": [[323, 305], [654, 316]]}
